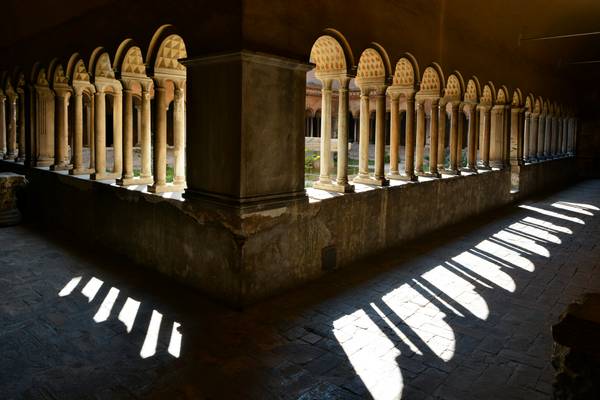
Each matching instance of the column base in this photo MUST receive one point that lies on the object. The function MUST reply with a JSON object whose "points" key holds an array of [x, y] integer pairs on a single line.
{"points": [[453, 172], [471, 170], [484, 168], [20, 159], [135, 181], [370, 180], [107, 176], [10, 157], [399, 177], [43, 163], [165, 188], [429, 174], [60, 167], [81, 171], [334, 187]]}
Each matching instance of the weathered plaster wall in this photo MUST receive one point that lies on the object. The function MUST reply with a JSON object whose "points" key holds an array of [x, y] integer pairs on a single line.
{"points": [[240, 259]]}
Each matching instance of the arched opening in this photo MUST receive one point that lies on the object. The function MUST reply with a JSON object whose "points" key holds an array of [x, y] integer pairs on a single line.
{"points": [[169, 82], [428, 154], [328, 91]]}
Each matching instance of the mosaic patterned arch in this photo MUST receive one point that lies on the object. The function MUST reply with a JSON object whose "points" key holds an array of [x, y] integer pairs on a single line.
{"points": [[455, 86], [328, 56], [165, 50], [546, 106], [488, 94], [42, 77], [529, 102], [59, 77], [472, 91], [432, 80], [538, 105], [129, 60], [406, 73], [76, 70], [502, 96], [373, 65], [517, 98]]}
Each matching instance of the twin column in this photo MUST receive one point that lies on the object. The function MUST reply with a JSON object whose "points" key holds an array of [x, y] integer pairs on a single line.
{"points": [[325, 182]]}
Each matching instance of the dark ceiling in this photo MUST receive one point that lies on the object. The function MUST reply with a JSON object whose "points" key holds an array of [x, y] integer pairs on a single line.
{"points": [[509, 24]]}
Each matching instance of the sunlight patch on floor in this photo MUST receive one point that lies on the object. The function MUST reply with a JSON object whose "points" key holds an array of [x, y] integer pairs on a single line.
{"points": [[372, 355]]}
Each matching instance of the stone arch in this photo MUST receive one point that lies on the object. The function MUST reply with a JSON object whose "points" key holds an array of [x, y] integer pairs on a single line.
{"points": [[129, 61], [34, 72], [529, 102], [502, 95], [455, 86], [538, 105], [517, 98], [166, 49], [488, 94], [406, 72], [100, 65], [373, 65], [58, 77], [331, 54], [472, 90], [76, 70], [432, 81]]}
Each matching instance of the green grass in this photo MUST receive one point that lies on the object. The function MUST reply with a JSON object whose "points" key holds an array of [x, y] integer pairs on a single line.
{"points": [[170, 173]]}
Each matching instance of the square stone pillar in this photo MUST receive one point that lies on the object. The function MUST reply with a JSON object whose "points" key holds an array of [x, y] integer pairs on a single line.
{"points": [[245, 124]]}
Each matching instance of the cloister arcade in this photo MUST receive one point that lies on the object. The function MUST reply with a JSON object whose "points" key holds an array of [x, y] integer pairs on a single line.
{"points": [[449, 127], [92, 117]]}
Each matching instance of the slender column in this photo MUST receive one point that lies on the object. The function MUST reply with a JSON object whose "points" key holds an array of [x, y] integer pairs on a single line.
{"points": [[526, 136], [30, 120], [325, 161], [160, 142], [453, 167], [21, 126], [541, 136], [548, 137], [379, 175], [92, 132], [497, 137], [2, 125], [565, 136], [363, 156], [533, 137], [342, 149], [573, 137], [99, 136], [394, 134], [459, 137], [409, 140], [127, 176], [472, 140], [485, 137], [420, 143], [441, 147], [118, 134], [145, 137], [516, 144], [433, 147], [138, 126], [61, 131], [78, 133], [179, 139], [11, 146]]}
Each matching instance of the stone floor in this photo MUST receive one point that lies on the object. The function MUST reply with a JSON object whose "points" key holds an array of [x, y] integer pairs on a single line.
{"points": [[463, 314]]}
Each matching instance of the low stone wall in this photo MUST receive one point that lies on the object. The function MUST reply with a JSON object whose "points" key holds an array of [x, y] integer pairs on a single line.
{"points": [[241, 258], [548, 175]]}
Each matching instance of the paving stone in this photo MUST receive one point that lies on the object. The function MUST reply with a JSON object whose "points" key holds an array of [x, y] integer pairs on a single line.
{"points": [[423, 323]]}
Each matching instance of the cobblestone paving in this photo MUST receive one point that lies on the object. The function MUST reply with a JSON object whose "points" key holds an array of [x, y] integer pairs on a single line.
{"points": [[463, 314]]}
